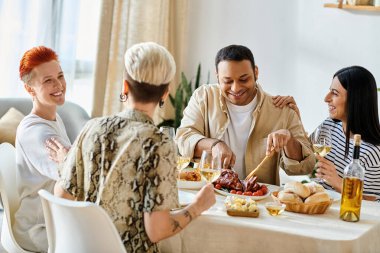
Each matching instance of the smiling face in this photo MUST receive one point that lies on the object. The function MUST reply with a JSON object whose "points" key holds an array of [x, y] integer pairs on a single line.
{"points": [[336, 100], [48, 85], [237, 81]]}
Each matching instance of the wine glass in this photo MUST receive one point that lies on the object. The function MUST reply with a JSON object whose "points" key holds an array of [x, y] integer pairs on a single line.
{"points": [[321, 140], [182, 161], [210, 166], [168, 130]]}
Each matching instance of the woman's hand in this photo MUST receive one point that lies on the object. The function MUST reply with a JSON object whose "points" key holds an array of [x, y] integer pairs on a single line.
{"points": [[281, 101], [57, 152], [162, 224], [204, 199], [327, 171]]}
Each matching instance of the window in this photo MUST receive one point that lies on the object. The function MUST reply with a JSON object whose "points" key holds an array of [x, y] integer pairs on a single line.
{"points": [[70, 27]]}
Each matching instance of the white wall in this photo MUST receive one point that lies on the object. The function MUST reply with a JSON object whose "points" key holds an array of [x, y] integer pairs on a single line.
{"points": [[298, 45]]}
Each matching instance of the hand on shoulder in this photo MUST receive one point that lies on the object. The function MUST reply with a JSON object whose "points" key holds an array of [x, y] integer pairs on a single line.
{"points": [[282, 101]]}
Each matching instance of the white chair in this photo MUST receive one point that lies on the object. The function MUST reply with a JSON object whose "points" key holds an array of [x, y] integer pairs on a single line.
{"points": [[9, 197], [76, 226]]}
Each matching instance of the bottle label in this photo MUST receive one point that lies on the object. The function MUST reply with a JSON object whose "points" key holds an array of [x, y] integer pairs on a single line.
{"points": [[352, 194]]}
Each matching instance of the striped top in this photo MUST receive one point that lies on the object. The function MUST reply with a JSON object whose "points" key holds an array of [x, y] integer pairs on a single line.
{"points": [[369, 158]]}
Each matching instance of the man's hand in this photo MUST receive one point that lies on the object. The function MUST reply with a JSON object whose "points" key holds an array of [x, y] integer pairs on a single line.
{"points": [[228, 157], [278, 140], [57, 152], [281, 101]]}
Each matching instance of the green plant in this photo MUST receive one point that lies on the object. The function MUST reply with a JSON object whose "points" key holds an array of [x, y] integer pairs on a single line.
{"points": [[181, 98]]}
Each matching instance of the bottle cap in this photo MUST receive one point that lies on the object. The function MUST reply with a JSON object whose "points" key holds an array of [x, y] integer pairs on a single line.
{"points": [[357, 139]]}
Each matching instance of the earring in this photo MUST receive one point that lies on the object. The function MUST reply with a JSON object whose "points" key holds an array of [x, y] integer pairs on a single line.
{"points": [[161, 103], [123, 97]]}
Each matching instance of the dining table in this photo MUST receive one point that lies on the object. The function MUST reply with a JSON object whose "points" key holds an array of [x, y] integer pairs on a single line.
{"points": [[216, 231]]}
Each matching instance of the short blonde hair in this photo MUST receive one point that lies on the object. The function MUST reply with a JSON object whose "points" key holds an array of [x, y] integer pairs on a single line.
{"points": [[149, 63]]}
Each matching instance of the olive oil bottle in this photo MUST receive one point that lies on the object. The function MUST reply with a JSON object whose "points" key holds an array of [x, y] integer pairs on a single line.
{"points": [[352, 191]]}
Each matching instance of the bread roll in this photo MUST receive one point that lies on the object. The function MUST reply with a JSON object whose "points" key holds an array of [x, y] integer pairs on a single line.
{"points": [[314, 187], [297, 188], [318, 197], [289, 197]]}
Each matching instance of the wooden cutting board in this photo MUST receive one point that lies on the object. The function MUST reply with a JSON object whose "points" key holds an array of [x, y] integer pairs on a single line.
{"points": [[243, 214]]}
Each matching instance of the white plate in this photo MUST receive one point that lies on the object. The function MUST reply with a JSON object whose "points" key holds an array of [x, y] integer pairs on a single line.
{"points": [[236, 195], [194, 185], [334, 195], [185, 198]]}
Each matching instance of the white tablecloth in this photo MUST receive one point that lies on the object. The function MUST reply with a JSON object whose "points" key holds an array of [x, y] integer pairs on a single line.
{"points": [[215, 231]]}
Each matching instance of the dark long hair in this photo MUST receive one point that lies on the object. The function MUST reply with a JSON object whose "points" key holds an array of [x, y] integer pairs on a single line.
{"points": [[361, 106]]}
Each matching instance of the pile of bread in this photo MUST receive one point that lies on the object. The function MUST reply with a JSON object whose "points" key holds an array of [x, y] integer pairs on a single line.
{"points": [[308, 193]]}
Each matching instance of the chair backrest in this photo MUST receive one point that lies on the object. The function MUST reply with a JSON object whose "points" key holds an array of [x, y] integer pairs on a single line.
{"points": [[73, 116], [9, 197], [76, 226]]}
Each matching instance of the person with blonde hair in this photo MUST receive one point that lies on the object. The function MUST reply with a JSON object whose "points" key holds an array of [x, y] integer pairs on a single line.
{"points": [[44, 81], [126, 165]]}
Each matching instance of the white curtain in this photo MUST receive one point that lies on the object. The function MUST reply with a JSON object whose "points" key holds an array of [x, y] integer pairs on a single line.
{"points": [[124, 23], [25, 24], [28, 23]]}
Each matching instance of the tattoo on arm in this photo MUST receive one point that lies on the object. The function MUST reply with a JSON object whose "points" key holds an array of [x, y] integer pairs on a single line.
{"points": [[176, 225], [188, 215]]}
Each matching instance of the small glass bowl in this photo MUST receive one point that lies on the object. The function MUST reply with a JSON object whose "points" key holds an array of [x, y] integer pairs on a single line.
{"points": [[275, 208]]}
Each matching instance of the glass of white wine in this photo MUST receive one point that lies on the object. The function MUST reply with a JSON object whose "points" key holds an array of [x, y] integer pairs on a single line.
{"points": [[168, 130], [321, 139], [182, 162], [210, 166]]}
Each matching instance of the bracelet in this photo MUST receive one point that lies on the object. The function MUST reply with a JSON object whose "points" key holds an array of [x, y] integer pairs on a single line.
{"points": [[216, 142]]}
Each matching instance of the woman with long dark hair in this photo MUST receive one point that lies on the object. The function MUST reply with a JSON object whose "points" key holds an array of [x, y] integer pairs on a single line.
{"points": [[353, 109]]}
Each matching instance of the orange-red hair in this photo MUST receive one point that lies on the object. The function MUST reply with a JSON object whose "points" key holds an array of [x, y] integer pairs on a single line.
{"points": [[34, 57]]}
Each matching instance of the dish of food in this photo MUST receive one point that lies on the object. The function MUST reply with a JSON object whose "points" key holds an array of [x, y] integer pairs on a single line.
{"points": [[229, 184], [192, 185], [240, 206], [190, 179], [309, 198], [225, 193], [275, 208], [189, 175], [185, 198]]}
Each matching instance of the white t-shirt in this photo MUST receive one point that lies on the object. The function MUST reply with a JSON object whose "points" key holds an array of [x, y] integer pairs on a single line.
{"points": [[236, 135], [35, 171]]}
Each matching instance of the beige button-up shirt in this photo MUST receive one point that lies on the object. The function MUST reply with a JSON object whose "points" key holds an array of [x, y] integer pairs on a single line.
{"points": [[206, 117]]}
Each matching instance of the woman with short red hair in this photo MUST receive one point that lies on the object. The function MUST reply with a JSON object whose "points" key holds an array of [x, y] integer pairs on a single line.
{"points": [[44, 81]]}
